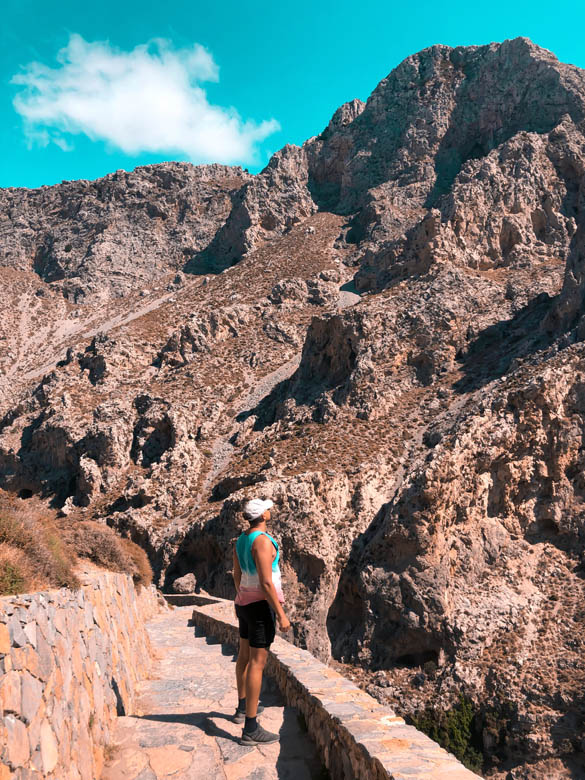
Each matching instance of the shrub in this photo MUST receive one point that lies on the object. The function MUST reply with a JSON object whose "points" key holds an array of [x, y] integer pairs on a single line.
{"points": [[36, 553], [453, 730], [100, 544], [32, 555], [142, 573], [13, 570]]}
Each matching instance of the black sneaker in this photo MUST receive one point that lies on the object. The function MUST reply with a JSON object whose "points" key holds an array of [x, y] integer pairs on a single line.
{"points": [[240, 715], [258, 737]]}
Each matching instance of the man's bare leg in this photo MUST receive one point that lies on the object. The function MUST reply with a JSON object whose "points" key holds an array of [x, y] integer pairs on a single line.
{"points": [[253, 733], [241, 667], [255, 670]]}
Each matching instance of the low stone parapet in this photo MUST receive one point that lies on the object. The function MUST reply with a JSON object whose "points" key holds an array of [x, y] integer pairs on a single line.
{"points": [[69, 663], [359, 738]]}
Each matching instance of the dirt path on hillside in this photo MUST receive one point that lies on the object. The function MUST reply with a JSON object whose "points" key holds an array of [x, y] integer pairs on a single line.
{"points": [[84, 330], [222, 451]]}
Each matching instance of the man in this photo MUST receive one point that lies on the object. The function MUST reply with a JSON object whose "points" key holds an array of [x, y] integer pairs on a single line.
{"points": [[259, 599]]}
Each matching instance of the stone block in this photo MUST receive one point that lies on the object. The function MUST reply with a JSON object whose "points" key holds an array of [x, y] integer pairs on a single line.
{"points": [[63, 648], [85, 706], [88, 615], [45, 657], [185, 584], [32, 693], [18, 657], [67, 676], [17, 751], [17, 636], [101, 658], [49, 747], [36, 761], [4, 639], [60, 621], [84, 746], [25, 659], [49, 692], [168, 760], [65, 744], [98, 696], [76, 662], [59, 718], [47, 630], [30, 629], [10, 692], [34, 729]]}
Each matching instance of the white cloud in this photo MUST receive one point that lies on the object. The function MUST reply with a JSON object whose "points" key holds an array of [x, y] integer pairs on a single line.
{"points": [[145, 100]]}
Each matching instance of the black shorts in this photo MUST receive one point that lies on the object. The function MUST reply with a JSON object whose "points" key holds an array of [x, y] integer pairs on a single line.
{"points": [[257, 623]]}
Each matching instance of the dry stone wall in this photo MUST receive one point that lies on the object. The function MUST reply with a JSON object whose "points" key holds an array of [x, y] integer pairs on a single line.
{"points": [[69, 663], [358, 738]]}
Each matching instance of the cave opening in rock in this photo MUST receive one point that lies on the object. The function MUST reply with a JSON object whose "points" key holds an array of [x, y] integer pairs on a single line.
{"points": [[123, 503], [416, 659], [157, 443]]}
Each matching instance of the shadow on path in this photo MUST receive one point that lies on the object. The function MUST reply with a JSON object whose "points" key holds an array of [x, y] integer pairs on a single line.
{"points": [[199, 720]]}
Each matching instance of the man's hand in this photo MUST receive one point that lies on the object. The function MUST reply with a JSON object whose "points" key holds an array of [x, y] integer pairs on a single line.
{"points": [[283, 622]]}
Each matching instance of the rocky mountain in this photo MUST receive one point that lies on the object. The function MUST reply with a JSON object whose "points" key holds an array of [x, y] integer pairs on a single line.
{"points": [[383, 332]]}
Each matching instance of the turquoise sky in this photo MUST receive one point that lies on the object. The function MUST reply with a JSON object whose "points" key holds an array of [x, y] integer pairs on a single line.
{"points": [[284, 67]]}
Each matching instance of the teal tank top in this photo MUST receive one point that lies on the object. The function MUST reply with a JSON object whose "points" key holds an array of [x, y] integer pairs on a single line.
{"points": [[250, 588]]}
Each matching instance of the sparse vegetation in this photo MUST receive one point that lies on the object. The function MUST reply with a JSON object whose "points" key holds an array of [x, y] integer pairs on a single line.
{"points": [[12, 577], [454, 730], [110, 751], [36, 551], [142, 572], [32, 555], [101, 545]]}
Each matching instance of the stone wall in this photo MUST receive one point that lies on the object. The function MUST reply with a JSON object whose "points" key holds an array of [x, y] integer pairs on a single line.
{"points": [[359, 738], [69, 662]]}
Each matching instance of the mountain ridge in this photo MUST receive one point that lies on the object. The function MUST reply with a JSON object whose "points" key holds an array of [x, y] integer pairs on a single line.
{"points": [[382, 332]]}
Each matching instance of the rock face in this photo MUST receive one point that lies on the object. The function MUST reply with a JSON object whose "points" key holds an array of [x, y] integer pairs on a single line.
{"points": [[103, 238], [382, 332]]}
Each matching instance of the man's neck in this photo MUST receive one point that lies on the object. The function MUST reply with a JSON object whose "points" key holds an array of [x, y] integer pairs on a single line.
{"points": [[258, 527]]}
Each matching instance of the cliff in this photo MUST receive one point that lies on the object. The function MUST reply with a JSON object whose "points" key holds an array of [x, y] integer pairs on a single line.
{"points": [[382, 331]]}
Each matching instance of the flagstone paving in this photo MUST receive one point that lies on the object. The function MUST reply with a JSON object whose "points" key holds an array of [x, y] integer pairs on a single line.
{"points": [[183, 728]]}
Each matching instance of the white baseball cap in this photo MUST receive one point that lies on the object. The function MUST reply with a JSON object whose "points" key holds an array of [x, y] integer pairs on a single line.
{"points": [[256, 507]]}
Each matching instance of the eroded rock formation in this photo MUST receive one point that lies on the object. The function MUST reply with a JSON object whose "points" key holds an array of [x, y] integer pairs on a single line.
{"points": [[382, 332]]}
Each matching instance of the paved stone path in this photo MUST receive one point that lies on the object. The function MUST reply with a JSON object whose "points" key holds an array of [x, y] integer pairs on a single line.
{"points": [[183, 728]]}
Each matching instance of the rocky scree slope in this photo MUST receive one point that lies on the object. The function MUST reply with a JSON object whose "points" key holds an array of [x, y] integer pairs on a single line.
{"points": [[423, 447]]}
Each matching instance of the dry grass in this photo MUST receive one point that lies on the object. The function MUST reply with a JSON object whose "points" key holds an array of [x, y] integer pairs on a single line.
{"points": [[16, 572], [142, 571], [33, 555], [110, 751], [101, 545], [37, 551]]}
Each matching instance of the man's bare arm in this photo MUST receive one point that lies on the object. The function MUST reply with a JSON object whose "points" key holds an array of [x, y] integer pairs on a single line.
{"points": [[262, 551], [237, 571]]}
